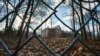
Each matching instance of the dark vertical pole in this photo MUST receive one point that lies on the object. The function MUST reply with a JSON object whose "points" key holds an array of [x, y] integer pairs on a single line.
{"points": [[84, 36]]}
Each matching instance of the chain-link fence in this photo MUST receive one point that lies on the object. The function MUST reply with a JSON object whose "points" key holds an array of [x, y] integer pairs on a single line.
{"points": [[85, 24]]}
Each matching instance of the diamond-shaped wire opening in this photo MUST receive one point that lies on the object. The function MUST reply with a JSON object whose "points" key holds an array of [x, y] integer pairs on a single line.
{"points": [[44, 22]]}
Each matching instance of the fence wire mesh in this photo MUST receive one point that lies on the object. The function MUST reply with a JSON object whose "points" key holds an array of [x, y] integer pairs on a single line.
{"points": [[85, 24]]}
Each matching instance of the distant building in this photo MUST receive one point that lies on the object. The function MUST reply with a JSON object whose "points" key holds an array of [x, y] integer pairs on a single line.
{"points": [[54, 32]]}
